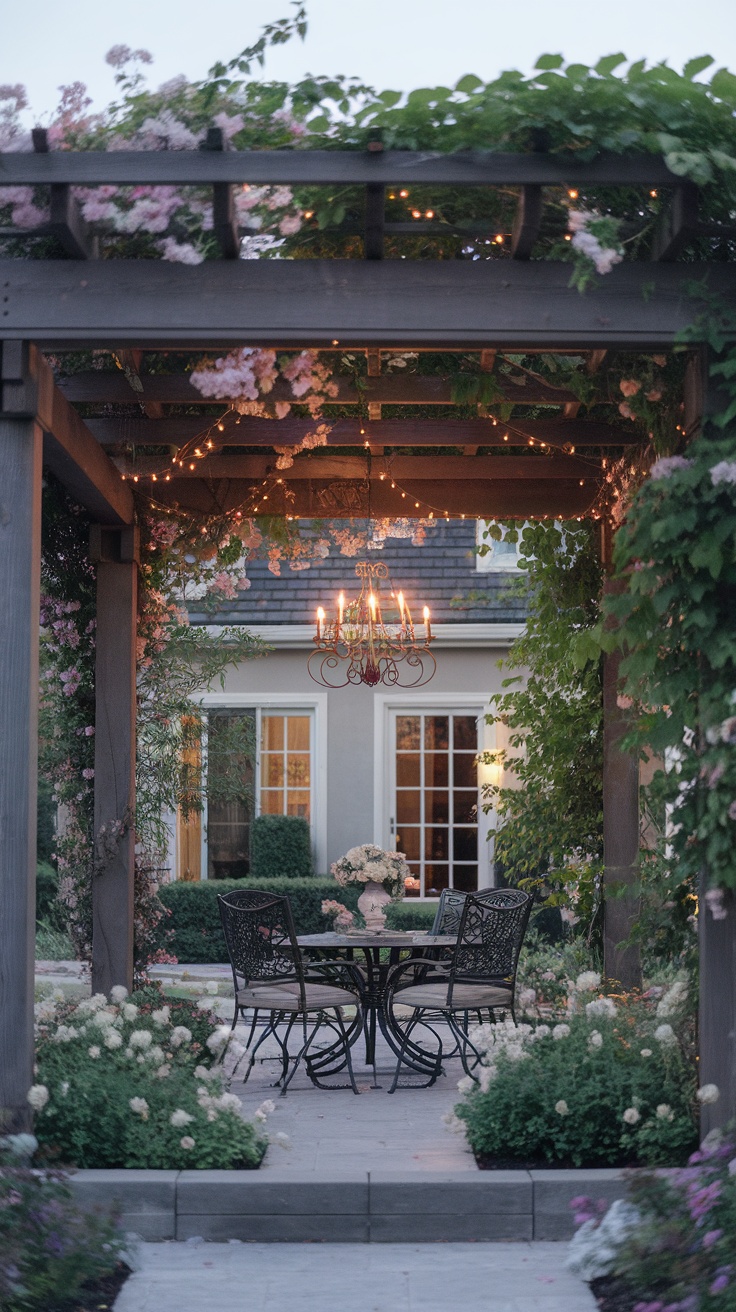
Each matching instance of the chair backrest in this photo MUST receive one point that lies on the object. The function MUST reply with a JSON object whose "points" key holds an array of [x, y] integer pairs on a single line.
{"points": [[490, 935], [448, 913], [260, 937]]}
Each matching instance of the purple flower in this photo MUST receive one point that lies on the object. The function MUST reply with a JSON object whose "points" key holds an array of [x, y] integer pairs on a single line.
{"points": [[720, 1283], [711, 1238]]}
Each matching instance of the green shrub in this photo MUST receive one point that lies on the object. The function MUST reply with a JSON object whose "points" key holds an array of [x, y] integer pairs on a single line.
{"points": [[47, 888], [612, 1086], [49, 1247], [195, 917], [280, 847], [131, 1083]]}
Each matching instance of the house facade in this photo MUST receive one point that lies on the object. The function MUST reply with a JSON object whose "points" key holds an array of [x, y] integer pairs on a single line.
{"points": [[394, 766]]}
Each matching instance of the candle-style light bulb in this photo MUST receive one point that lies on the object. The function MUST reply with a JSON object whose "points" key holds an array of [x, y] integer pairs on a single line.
{"points": [[340, 608], [427, 624], [400, 600], [320, 621], [372, 604]]}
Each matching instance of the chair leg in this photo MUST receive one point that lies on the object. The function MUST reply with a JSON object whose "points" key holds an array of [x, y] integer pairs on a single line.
{"points": [[302, 1053], [348, 1056]]}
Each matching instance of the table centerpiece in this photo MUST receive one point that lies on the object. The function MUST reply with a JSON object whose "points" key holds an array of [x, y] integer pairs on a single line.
{"points": [[384, 875]]}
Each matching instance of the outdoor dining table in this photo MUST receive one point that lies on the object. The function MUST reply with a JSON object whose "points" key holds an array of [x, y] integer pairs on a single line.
{"points": [[378, 964]]}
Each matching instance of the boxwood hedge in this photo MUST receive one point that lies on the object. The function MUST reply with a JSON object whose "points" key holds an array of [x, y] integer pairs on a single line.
{"points": [[195, 932]]}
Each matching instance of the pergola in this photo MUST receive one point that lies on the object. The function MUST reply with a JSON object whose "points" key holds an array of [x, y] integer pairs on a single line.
{"points": [[529, 469]]}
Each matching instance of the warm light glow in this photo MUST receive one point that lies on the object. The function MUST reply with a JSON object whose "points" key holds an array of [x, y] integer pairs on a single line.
{"points": [[416, 214], [426, 623], [572, 193], [372, 604], [429, 214], [499, 238], [308, 214], [403, 194]]}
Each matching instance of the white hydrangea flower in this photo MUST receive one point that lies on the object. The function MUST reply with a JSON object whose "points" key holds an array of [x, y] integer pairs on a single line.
{"points": [[542, 1031], [140, 1107], [594, 1248], [212, 986], [595, 1039], [118, 993], [466, 1084], [266, 1109], [187, 1142], [560, 1031], [140, 1039], [601, 1007], [673, 999], [94, 1052], [203, 1073], [180, 1118], [646, 1052], [562, 1108], [64, 1088], [664, 1112], [161, 1016], [103, 1018], [155, 1055], [130, 1011], [95, 1003], [631, 1116], [218, 1038], [112, 1039], [587, 981], [228, 1102], [163, 1071], [179, 1036], [65, 1034], [38, 1096], [708, 1093], [665, 1034]]}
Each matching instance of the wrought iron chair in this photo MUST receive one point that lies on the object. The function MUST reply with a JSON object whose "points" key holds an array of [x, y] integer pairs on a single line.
{"points": [[271, 976], [479, 979]]}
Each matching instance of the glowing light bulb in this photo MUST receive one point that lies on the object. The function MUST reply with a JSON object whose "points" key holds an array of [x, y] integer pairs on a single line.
{"points": [[427, 626], [403, 194], [572, 193], [340, 607], [320, 621]]}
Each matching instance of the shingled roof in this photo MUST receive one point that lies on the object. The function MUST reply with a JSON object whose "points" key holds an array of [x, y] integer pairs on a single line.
{"points": [[440, 573]]}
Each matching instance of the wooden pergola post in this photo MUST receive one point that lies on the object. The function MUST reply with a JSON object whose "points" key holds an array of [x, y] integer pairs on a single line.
{"points": [[20, 576], [621, 962], [115, 552]]}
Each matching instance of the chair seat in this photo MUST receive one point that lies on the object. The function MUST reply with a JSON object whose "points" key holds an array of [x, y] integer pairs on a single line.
{"points": [[285, 997], [465, 997]]}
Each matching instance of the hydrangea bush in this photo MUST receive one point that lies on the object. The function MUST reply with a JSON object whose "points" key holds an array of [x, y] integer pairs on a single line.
{"points": [[612, 1084], [137, 1082], [673, 1247], [49, 1248]]}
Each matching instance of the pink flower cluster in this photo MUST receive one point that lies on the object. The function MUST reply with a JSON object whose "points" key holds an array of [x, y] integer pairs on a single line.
{"points": [[603, 257], [249, 373]]}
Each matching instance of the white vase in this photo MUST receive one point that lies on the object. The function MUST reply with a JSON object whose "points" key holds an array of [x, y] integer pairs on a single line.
{"points": [[371, 903]]}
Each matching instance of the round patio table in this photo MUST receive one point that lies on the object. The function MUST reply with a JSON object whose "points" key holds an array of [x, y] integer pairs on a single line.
{"points": [[377, 966]]}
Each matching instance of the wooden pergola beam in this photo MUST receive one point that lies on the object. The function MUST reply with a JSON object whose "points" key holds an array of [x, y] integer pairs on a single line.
{"points": [[403, 469], [356, 303], [102, 388], [328, 168], [343, 499], [176, 430]]}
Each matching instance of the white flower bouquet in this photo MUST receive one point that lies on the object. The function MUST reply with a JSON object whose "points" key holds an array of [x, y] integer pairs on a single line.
{"points": [[369, 864]]}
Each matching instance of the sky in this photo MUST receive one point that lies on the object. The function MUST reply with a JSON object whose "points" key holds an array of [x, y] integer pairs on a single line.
{"points": [[399, 44]]}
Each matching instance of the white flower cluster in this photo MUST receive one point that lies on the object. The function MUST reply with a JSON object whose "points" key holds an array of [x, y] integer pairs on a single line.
{"points": [[673, 1000], [367, 863], [594, 1248], [723, 472], [603, 257]]}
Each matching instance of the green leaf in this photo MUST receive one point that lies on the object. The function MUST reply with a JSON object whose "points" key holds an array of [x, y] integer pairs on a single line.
{"points": [[695, 66], [722, 160], [723, 85], [390, 98], [468, 84], [690, 164], [319, 124], [549, 61], [605, 66]]}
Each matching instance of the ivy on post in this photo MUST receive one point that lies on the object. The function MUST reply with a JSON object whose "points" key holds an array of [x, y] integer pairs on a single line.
{"points": [[621, 958], [115, 554]]}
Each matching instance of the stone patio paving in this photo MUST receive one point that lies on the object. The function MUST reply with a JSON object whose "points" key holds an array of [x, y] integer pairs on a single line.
{"points": [[236, 1277]]}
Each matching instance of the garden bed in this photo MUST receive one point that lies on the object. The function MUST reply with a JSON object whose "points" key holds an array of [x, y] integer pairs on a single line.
{"points": [[613, 1294], [96, 1295]]}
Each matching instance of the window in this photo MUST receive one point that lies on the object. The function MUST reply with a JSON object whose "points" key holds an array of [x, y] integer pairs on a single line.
{"points": [[280, 779], [434, 819], [501, 556]]}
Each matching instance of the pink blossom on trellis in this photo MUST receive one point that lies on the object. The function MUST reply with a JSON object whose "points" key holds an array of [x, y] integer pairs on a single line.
{"points": [[667, 466], [180, 252], [230, 124], [245, 373]]}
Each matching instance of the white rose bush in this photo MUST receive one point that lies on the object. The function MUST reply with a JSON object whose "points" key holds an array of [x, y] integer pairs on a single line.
{"points": [[137, 1083], [609, 1085]]}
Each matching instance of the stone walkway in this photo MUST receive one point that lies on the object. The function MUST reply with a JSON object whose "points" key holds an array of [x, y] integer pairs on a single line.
{"points": [[236, 1277]]}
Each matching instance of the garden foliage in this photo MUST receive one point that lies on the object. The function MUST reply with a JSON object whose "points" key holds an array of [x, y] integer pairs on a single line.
{"points": [[676, 1248], [49, 1247], [280, 847], [136, 1082], [612, 1084]]}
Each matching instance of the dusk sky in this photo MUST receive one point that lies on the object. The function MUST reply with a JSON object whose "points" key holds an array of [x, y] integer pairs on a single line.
{"points": [[388, 43]]}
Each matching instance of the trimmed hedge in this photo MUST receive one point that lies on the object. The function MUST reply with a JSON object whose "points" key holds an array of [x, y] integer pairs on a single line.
{"points": [[280, 847], [195, 925]]}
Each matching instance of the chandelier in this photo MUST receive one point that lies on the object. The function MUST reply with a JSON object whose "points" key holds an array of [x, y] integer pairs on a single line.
{"points": [[372, 639]]}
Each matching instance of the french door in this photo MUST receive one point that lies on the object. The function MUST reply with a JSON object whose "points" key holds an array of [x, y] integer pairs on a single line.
{"points": [[434, 798]]}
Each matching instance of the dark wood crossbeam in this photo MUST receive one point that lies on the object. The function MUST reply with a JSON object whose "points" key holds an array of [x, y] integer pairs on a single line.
{"points": [[387, 303], [136, 430], [404, 469], [95, 387], [490, 499], [328, 168]]}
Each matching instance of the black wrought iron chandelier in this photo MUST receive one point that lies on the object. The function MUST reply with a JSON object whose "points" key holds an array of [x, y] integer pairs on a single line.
{"points": [[372, 638]]}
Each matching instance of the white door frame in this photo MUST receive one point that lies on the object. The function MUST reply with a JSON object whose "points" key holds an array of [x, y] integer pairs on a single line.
{"points": [[384, 703]]}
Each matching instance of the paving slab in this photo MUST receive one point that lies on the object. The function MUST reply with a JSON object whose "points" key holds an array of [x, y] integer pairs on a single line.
{"points": [[420, 1277]]}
